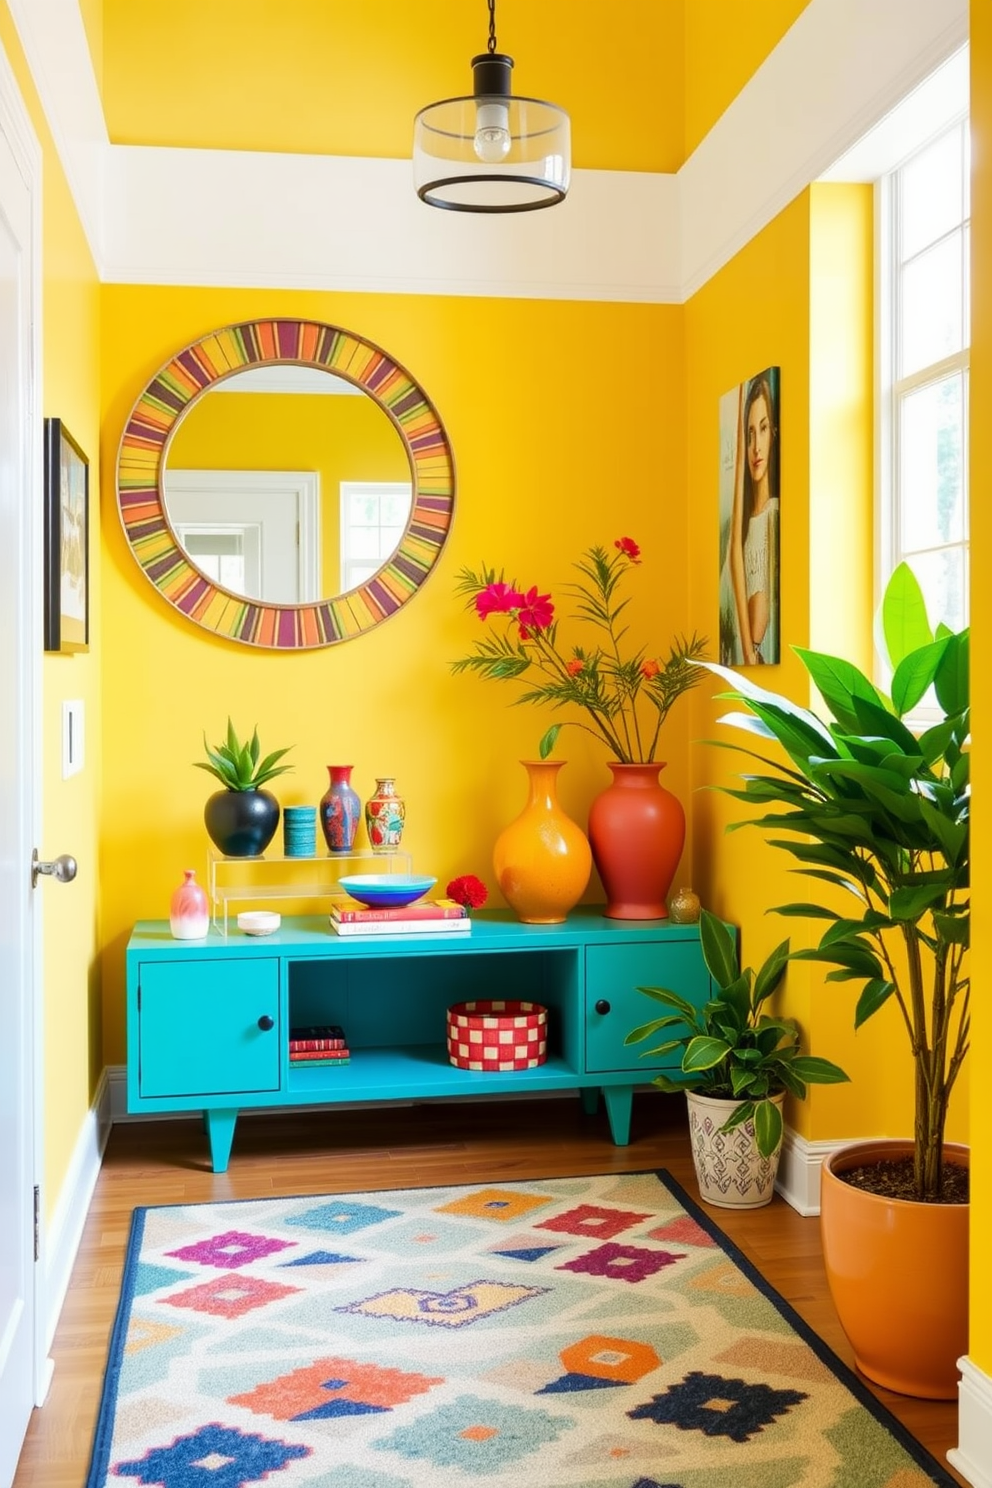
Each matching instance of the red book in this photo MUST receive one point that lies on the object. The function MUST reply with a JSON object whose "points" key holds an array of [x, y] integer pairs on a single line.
{"points": [[350, 912], [317, 1036], [304, 1056], [314, 1046]]}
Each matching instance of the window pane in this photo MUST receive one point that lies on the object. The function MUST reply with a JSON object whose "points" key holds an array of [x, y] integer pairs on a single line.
{"points": [[932, 186], [943, 579], [932, 506], [363, 510], [363, 542], [395, 510], [931, 318]]}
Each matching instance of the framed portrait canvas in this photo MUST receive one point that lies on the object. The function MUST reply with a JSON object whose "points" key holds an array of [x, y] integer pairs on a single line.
{"points": [[67, 521], [750, 460]]}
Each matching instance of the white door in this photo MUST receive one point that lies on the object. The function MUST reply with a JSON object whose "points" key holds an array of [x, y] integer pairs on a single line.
{"points": [[20, 570]]}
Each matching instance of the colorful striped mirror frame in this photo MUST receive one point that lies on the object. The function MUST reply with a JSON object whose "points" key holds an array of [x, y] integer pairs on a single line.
{"points": [[174, 390]]}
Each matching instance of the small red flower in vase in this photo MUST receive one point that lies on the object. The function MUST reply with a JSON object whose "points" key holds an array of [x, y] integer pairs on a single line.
{"points": [[468, 890]]}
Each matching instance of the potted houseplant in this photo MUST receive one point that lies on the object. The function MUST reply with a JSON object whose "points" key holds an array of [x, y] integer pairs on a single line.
{"points": [[241, 819], [621, 696], [883, 813], [737, 1065]]}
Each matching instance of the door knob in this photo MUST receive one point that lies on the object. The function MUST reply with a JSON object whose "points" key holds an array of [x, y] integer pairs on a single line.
{"points": [[62, 868], [265, 1023], [602, 1006]]}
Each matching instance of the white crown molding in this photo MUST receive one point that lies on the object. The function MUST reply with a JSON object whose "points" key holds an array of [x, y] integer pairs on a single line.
{"points": [[230, 218]]}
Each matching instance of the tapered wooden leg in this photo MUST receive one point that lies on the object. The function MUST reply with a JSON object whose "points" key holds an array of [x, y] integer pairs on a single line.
{"points": [[619, 1099], [220, 1131]]}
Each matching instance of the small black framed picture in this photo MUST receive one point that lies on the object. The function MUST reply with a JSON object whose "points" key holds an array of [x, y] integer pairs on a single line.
{"points": [[67, 525]]}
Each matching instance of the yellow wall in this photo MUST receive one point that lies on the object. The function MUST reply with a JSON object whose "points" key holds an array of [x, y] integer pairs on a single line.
{"points": [[725, 44], [73, 1052], [568, 432], [623, 92], [980, 1347]]}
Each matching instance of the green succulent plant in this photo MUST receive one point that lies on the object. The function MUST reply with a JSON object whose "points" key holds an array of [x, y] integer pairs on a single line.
{"points": [[730, 1048], [237, 766]]}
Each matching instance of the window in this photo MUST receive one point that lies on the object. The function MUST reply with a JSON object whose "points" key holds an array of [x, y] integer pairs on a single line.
{"points": [[925, 343], [374, 515]]}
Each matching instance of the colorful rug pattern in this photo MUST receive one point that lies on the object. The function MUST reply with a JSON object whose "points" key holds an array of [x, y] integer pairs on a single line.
{"points": [[578, 1333]]}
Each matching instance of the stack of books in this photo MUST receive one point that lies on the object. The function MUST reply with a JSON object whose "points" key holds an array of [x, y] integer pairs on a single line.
{"points": [[322, 1044], [426, 917]]}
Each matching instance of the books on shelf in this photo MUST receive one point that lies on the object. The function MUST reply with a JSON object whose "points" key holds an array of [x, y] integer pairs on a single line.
{"points": [[316, 1036], [418, 926], [317, 1056], [350, 912], [320, 1062]]}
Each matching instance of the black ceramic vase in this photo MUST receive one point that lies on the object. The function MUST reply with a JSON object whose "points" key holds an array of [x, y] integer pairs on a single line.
{"points": [[241, 824]]}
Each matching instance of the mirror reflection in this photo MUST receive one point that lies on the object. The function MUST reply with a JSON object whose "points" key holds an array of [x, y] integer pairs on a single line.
{"points": [[287, 484]]}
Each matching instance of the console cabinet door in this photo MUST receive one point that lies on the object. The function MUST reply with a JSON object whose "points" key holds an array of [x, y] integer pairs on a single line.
{"points": [[199, 1028], [614, 1006]]}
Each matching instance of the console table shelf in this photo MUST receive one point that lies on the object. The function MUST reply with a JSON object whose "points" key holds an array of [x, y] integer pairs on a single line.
{"points": [[208, 1021]]}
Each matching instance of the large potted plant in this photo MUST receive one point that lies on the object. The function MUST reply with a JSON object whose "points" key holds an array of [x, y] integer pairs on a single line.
{"points": [[882, 813], [241, 819], [622, 696], [737, 1063]]}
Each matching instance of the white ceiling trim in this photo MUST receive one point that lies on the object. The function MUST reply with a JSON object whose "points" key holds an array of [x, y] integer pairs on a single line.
{"points": [[230, 218]]}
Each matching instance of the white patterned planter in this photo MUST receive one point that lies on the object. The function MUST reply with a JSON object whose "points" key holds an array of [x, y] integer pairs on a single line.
{"points": [[730, 1171]]}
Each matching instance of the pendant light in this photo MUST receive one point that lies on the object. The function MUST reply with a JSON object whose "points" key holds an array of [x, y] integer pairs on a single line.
{"points": [[491, 152]]}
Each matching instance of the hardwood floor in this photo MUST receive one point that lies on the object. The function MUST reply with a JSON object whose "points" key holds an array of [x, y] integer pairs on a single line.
{"points": [[405, 1146]]}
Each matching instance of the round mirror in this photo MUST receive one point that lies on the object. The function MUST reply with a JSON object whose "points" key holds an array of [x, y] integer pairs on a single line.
{"points": [[285, 484]]}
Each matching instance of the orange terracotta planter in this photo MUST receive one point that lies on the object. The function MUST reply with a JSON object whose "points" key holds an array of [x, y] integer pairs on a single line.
{"points": [[542, 860], [637, 831], [898, 1275]]}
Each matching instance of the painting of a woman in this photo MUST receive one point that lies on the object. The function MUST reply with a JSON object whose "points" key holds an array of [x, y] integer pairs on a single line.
{"points": [[749, 500]]}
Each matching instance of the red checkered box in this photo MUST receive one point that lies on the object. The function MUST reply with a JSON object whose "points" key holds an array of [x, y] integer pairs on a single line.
{"points": [[497, 1036]]}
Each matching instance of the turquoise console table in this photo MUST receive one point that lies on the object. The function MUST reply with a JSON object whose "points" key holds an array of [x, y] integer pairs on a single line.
{"points": [[208, 1021]]}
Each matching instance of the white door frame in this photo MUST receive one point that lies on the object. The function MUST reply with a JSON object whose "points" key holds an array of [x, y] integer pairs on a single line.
{"points": [[18, 129]]}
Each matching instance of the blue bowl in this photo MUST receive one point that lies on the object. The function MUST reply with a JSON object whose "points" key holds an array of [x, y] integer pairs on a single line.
{"points": [[386, 890]]}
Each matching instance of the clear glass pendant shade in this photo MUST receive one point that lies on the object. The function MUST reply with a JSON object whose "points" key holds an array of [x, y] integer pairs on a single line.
{"points": [[491, 152]]}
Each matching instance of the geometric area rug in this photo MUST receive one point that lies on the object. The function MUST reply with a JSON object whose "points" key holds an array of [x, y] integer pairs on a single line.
{"points": [[595, 1332]]}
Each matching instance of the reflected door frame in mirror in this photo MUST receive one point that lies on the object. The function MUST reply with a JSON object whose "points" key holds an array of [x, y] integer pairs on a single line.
{"points": [[179, 385]]}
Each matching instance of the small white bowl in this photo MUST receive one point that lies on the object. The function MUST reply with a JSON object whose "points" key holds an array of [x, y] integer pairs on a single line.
{"points": [[259, 921]]}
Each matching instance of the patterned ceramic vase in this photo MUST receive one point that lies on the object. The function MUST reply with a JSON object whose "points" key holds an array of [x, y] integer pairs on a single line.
{"points": [[385, 813], [542, 860], [189, 915], [637, 831], [730, 1171], [684, 907], [340, 810]]}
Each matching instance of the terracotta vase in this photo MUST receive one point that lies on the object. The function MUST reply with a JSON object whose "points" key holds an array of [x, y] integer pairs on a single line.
{"points": [[542, 859], [637, 832], [898, 1275], [189, 914]]}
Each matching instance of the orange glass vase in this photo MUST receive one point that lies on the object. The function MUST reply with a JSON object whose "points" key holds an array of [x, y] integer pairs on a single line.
{"points": [[542, 860], [637, 831]]}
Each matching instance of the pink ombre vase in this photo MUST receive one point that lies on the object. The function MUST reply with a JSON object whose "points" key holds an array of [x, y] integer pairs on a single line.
{"points": [[189, 916]]}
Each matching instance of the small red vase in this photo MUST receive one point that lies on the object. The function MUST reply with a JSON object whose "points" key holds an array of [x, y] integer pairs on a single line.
{"points": [[637, 832]]}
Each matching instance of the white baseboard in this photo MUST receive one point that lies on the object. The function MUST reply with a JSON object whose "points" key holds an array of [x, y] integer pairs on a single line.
{"points": [[972, 1457], [799, 1167], [65, 1229]]}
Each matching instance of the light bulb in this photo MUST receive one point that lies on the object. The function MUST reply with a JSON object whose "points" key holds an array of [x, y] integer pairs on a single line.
{"points": [[492, 132]]}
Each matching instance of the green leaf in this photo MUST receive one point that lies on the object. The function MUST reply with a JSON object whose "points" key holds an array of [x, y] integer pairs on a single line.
{"points": [[549, 740], [804, 911], [914, 675], [647, 1029], [254, 746], [951, 681], [719, 949], [955, 929], [665, 1048], [232, 738], [767, 1127], [873, 995], [815, 1071], [909, 904], [770, 974], [671, 999], [905, 626], [738, 1117], [703, 1053], [671, 1087], [852, 955], [839, 683]]}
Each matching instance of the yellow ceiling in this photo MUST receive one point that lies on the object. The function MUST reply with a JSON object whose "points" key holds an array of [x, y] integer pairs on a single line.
{"points": [[346, 77]]}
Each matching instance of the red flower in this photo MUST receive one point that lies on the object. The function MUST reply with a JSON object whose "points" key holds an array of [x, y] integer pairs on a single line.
{"points": [[468, 890], [536, 612], [649, 669], [497, 599], [629, 548], [575, 667]]}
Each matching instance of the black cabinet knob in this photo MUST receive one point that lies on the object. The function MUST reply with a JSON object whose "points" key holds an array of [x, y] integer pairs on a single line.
{"points": [[602, 1006], [265, 1023]]}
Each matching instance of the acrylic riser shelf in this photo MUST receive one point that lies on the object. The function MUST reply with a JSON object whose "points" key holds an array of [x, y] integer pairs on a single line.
{"points": [[255, 883]]}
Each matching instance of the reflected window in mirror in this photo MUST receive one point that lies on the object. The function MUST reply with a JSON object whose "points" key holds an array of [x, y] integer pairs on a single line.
{"points": [[374, 515]]}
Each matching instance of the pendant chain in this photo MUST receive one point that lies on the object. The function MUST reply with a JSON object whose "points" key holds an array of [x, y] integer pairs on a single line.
{"points": [[491, 47]]}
